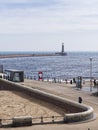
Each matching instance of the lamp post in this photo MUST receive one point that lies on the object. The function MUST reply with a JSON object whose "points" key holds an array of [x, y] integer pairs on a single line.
{"points": [[91, 73]]}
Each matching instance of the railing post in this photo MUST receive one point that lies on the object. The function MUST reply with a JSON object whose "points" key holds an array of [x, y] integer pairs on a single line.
{"points": [[53, 119], [0, 122], [41, 119]]}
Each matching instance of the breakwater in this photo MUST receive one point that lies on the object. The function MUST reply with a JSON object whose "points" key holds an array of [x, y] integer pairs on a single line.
{"points": [[15, 55], [31, 55]]}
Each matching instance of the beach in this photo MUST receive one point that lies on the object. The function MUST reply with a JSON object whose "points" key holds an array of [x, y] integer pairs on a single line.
{"points": [[61, 89], [23, 105]]}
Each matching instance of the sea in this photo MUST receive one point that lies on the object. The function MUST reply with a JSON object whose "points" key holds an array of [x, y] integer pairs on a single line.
{"points": [[73, 65]]}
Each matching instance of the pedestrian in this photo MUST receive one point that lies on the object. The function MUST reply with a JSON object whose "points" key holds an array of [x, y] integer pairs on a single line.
{"points": [[74, 81], [34, 77], [94, 82], [54, 80], [70, 81], [66, 81], [80, 99]]}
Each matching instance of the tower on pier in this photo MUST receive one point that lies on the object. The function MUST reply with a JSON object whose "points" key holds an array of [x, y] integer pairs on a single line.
{"points": [[62, 53], [62, 48]]}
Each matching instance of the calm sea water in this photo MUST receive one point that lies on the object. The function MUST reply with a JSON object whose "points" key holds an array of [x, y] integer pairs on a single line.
{"points": [[72, 65]]}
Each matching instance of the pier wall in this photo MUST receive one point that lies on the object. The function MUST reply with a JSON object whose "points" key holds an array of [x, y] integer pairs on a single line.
{"points": [[32, 55], [77, 112]]}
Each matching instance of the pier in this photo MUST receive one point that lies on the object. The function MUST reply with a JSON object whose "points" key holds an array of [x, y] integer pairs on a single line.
{"points": [[12, 55]]}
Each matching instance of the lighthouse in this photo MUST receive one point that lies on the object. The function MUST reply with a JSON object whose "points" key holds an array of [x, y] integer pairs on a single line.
{"points": [[62, 48], [62, 53]]}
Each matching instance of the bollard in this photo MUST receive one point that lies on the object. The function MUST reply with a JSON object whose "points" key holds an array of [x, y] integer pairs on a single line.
{"points": [[0, 122], [52, 119], [41, 119]]}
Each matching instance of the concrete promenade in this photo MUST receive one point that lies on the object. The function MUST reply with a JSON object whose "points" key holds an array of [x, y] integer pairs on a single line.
{"points": [[68, 91]]}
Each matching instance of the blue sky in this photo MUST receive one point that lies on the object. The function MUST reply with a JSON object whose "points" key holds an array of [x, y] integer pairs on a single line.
{"points": [[42, 25]]}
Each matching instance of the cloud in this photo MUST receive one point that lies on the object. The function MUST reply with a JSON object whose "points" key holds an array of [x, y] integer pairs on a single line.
{"points": [[26, 3], [28, 16]]}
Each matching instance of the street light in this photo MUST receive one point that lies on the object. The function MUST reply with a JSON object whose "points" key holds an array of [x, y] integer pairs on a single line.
{"points": [[91, 73]]}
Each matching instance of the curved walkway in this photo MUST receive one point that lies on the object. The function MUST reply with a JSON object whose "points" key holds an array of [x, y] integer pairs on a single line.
{"points": [[69, 92]]}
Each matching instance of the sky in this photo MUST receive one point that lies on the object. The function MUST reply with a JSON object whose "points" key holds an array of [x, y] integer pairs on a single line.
{"points": [[43, 25]]}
